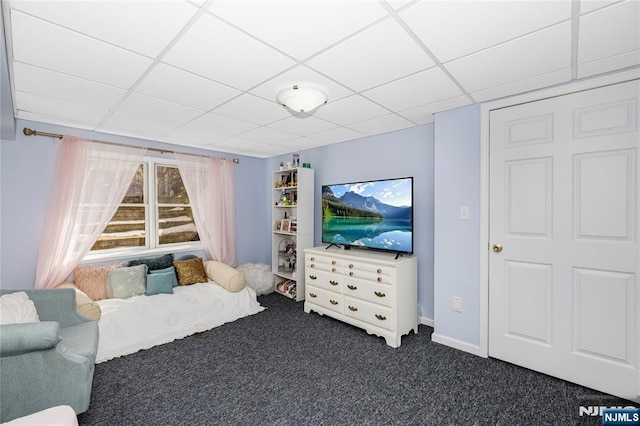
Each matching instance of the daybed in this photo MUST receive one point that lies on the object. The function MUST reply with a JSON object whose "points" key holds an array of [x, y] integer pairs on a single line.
{"points": [[129, 324]]}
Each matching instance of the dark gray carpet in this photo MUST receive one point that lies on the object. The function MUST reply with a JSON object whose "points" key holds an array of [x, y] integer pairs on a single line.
{"points": [[285, 367]]}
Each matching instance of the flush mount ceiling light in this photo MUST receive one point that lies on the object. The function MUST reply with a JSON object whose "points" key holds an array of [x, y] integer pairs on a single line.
{"points": [[302, 99]]}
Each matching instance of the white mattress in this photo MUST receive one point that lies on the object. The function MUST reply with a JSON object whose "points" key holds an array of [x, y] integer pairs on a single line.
{"points": [[141, 322]]}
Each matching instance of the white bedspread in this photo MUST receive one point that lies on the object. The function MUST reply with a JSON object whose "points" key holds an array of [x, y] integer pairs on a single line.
{"points": [[141, 322]]}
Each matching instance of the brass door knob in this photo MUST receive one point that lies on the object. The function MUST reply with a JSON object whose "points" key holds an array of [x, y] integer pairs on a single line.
{"points": [[497, 247]]}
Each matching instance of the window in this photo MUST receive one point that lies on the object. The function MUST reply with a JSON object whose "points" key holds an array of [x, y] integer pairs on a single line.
{"points": [[154, 214]]}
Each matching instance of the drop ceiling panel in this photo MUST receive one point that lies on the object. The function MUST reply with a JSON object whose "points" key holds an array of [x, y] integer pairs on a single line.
{"points": [[146, 106], [339, 134], [611, 63], [52, 84], [596, 43], [591, 5], [299, 28], [217, 123], [191, 136], [452, 29], [385, 124], [516, 60], [136, 126], [253, 109], [380, 54], [39, 43], [221, 53], [267, 135], [525, 85], [58, 108], [302, 125], [185, 88], [40, 118], [422, 88], [350, 110], [140, 28]]}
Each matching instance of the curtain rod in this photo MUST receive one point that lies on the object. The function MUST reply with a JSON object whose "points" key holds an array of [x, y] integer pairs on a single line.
{"points": [[30, 132]]}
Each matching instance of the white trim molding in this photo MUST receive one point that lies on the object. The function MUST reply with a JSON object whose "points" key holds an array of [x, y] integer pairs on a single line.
{"points": [[485, 109], [426, 321], [456, 344]]}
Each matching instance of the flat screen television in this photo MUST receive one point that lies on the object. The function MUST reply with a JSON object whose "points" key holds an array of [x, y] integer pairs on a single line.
{"points": [[373, 214]]}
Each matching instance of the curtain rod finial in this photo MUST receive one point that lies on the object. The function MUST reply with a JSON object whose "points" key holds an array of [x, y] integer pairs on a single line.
{"points": [[27, 131]]}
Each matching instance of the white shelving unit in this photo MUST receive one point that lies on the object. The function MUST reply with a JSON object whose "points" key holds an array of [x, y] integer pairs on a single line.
{"points": [[292, 220]]}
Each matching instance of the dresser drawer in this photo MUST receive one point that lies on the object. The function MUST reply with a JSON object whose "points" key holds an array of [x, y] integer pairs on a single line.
{"points": [[329, 281], [369, 312], [324, 263], [326, 299], [381, 294], [370, 272]]}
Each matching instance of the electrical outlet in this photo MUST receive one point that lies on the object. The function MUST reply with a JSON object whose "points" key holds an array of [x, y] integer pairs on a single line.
{"points": [[464, 213], [456, 305]]}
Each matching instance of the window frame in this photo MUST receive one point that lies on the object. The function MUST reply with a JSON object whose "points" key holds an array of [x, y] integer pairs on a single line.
{"points": [[152, 246]]}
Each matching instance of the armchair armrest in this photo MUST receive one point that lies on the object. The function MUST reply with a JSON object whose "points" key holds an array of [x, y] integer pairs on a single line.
{"points": [[17, 339]]}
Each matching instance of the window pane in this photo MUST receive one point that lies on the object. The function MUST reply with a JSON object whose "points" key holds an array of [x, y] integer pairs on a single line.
{"points": [[169, 186], [176, 225], [127, 226], [135, 193], [126, 229]]}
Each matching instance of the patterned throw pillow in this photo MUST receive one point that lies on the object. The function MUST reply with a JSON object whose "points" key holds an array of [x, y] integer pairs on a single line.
{"points": [[190, 271], [153, 263], [92, 280], [126, 282]]}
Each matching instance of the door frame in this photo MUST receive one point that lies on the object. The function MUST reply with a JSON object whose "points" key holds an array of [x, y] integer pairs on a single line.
{"points": [[485, 110]]}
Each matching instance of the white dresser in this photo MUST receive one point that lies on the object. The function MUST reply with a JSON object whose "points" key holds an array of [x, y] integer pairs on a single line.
{"points": [[368, 289]]}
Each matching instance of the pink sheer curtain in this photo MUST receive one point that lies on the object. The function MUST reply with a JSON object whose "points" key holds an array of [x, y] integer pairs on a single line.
{"points": [[210, 185], [89, 183]]}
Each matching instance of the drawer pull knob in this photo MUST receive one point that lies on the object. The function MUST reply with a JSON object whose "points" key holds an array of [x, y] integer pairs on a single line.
{"points": [[313, 295], [313, 258], [333, 262], [381, 317], [333, 282], [352, 287], [313, 277], [352, 308], [379, 271], [333, 302], [350, 274], [351, 266], [379, 294], [333, 269], [312, 266], [379, 279]]}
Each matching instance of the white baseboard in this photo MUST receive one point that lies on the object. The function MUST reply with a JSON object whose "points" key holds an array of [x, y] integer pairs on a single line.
{"points": [[426, 321], [456, 344]]}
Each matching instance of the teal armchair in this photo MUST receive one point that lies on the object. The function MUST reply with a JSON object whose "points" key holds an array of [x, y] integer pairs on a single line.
{"points": [[47, 363]]}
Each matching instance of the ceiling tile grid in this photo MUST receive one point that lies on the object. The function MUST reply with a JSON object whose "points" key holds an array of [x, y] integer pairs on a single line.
{"points": [[206, 73]]}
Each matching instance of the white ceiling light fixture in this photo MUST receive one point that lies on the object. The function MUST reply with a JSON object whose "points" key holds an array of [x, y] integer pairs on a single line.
{"points": [[302, 99]]}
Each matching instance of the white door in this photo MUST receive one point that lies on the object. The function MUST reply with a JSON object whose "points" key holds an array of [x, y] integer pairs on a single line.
{"points": [[564, 297]]}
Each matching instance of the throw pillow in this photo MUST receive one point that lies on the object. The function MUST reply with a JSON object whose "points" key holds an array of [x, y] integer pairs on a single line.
{"points": [[92, 280], [225, 276], [84, 305], [174, 281], [126, 282], [17, 308], [153, 263], [160, 283], [190, 271]]}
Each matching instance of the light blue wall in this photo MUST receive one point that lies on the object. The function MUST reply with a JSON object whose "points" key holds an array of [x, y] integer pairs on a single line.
{"points": [[397, 154], [457, 242], [26, 172]]}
